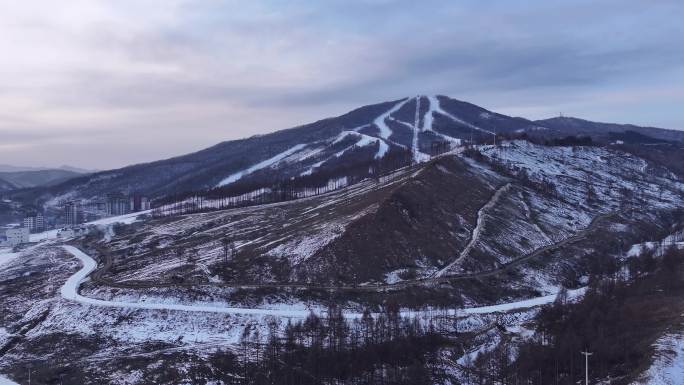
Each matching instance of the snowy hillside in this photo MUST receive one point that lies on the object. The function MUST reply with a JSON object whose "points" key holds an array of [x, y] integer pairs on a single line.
{"points": [[471, 242], [524, 204]]}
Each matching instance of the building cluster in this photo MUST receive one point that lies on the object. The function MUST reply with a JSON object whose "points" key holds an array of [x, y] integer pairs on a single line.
{"points": [[35, 222], [77, 212], [74, 213], [16, 234]]}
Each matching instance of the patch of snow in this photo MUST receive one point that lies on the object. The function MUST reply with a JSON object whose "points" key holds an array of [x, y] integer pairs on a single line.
{"points": [[7, 255], [668, 365], [299, 250], [393, 276], [6, 381]]}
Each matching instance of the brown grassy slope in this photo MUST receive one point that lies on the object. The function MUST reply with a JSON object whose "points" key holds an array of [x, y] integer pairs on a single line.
{"points": [[427, 220]]}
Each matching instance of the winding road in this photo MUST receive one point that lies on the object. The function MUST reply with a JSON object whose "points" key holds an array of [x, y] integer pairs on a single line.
{"points": [[70, 291]]}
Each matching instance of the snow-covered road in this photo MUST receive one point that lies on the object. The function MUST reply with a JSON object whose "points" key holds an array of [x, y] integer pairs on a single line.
{"points": [[70, 292]]}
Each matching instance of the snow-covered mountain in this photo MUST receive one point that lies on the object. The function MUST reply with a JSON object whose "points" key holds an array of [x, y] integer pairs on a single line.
{"points": [[406, 128]]}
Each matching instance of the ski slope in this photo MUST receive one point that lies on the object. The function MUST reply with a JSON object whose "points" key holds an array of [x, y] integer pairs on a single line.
{"points": [[364, 140], [436, 108], [261, 165], [69, 291], [385, 131]]}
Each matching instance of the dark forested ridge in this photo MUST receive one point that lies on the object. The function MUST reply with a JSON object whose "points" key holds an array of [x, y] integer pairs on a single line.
{"points": [[618, 320]]}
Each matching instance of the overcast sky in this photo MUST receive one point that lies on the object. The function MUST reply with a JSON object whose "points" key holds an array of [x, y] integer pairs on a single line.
{"points": [[102, 84]]}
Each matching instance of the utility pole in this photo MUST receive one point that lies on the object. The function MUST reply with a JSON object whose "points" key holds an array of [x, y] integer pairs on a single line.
{"points": [[586, 367]]}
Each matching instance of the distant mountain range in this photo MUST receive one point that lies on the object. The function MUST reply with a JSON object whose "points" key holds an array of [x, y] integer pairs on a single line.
{"points": [[12, 168], [15, 180], [575, 126], [406, 127]]}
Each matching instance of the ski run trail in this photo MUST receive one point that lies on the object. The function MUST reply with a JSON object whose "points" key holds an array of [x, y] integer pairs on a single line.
{"points": [[385, 131], [414, 142], [436, 108], [478, 229], [266, 163], [70, 292]]}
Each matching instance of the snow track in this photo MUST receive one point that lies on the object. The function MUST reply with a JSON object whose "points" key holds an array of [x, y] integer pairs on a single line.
{"points": [[69, 291], [414, 144], [478, 229]]}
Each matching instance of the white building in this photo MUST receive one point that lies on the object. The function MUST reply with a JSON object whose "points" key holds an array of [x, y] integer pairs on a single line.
{"points": [[17, 236]]}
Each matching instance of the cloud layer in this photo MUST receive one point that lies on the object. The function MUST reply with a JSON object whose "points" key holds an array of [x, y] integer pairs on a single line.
{"points": [[107, 83]]}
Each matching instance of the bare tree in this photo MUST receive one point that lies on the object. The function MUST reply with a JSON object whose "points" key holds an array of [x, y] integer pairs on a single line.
{"points": [[226, 243], [180, 251]]}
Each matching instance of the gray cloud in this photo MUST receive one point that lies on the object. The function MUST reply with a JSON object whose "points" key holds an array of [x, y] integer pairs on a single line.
{"points": [[158, 78]]}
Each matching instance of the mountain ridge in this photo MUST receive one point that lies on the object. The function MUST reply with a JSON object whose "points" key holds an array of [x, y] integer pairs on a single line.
{"points": [[583, 126], [354, 139]]}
